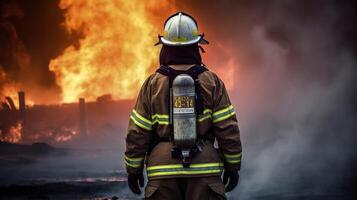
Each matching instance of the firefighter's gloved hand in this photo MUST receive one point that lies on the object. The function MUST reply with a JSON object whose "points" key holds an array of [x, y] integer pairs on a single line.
{"points": [[233, 177], [134, 180]]}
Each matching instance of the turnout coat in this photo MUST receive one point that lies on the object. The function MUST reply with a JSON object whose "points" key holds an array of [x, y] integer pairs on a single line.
{"points": [[149, 121]]}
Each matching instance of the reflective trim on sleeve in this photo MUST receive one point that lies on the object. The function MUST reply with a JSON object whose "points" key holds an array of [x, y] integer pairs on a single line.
{"points": [[134, 162], [207, 114], [232, 158], [178, 169], [141, 121], [161, 119], [223, 114]]}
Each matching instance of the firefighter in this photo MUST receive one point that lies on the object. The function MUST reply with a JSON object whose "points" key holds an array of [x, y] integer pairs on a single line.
{"points": [[181, 110]]}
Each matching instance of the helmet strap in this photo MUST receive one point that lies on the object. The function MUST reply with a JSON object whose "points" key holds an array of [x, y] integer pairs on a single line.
{"points": [[201, 48]]}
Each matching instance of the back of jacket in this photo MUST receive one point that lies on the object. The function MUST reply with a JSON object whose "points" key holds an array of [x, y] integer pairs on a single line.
{"points": [[150, 120]]}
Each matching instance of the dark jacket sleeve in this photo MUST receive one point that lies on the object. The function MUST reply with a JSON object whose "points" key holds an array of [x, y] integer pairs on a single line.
{"points": [[226, 127], [139, 132]]}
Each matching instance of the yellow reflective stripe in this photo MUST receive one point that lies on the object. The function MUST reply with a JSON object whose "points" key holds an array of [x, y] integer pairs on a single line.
{"points": [[139, 124], [140, 120], [141, 117], [161, 122], [185, 172], [178, 169], [204, 118], [223, 110], [223, 114], [224, 117], [134, 159], [132, 165], [160, 119], [232, 158], [180, 166], [133, 162], [207, 113], [233, 161], [207, 110], [164, 167], [163, 119], [160, 116], [238, 155]]}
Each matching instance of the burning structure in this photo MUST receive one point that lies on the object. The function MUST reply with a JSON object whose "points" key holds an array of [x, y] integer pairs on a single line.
{"points": [[11, 121], [98, 57], [59, 123]]}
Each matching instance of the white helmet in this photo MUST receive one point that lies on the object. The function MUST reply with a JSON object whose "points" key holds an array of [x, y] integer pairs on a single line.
{"points": [[181, 29]]}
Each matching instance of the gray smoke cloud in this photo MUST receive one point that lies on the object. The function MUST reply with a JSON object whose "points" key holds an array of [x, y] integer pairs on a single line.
{"points": [[294, 93], [301, 133], [296, 119]]}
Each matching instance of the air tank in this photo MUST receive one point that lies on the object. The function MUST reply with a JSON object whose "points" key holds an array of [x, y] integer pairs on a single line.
{"points": [[184, 114]]}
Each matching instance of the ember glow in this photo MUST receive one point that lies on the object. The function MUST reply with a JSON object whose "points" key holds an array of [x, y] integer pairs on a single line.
{"points": [[14, 134], [8, 87], [67, 137], [226, 69], [115, 50]]}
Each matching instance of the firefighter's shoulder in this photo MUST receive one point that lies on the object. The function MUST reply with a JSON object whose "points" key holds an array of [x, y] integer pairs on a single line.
{"points": [[209, 78], [148, 81]]}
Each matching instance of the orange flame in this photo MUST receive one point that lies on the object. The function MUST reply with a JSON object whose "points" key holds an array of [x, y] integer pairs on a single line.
{"points": [[14, 135], [115, 51], [65, 138], [8, 87]]}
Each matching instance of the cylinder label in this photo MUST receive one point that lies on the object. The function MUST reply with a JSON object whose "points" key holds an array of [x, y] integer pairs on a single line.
{"points": [[184, 104], [183, 110]]}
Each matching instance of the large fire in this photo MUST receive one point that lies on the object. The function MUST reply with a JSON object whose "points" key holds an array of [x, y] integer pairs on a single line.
{"points": [[115, 51], [112, 53]]}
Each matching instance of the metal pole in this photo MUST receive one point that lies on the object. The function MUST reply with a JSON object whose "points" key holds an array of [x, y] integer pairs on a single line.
{"points": [[22, 116], [82, 117]]}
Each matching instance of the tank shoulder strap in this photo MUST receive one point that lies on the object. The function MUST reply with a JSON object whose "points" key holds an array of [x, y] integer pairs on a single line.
{"points": [[194, 71], [169, 72]]}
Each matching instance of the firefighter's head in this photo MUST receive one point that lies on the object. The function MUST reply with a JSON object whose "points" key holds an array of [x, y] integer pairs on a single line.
{"points": [[181, 40]]}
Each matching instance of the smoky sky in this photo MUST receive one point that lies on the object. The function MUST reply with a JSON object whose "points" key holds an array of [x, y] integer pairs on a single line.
{"points": [[294, 92], [30, 36], [37, 26]]}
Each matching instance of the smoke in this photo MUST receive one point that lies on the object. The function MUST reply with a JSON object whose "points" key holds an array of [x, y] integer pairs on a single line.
{"points": [[30, 34], [294, 91], [12, 49], [300, 133]]}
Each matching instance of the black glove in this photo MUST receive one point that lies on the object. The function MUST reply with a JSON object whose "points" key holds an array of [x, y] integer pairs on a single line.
{"points": [[233, 179], [134, 180]]}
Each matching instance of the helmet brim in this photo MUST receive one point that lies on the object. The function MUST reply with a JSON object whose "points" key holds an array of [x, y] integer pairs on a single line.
{"points": [[199, 40]]}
